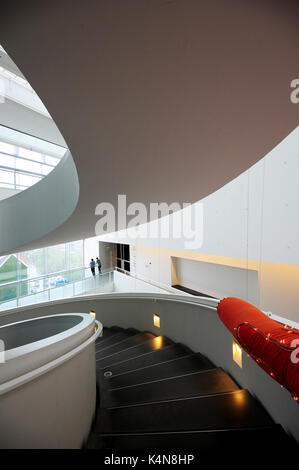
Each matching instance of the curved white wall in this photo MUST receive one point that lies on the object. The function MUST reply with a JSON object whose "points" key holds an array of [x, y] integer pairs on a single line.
{"points": [[48, 382], [25, 120], [54, 411], [7, 192], [38, 210]]}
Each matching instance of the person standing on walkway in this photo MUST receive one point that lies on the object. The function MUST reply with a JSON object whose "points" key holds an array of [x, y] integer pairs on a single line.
{"points": [[99, 265], [92, 265]]}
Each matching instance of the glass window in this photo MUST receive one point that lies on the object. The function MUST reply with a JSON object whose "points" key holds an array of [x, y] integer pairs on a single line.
{"points": [[30, 154], [53, 262], [76, 254], [26, 180], [127, 252], [127, 266], [51, 160], [123, 256], [35, 261], [6, 176], [27, 154], [7, 160], [46, 169], [7, 148], [7, 185], [8, 270], [28, 166], [11, 271], [56, 258]]}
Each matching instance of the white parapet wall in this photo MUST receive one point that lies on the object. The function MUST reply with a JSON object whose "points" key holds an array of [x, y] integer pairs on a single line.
{"points": [[48, 382], [128, 283]]}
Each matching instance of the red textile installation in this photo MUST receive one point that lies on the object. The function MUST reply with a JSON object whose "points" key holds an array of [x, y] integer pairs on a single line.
{"points": [[273, 345]]}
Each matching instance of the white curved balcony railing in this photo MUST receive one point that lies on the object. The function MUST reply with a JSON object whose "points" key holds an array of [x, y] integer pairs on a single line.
{"points": [[33, 213]]}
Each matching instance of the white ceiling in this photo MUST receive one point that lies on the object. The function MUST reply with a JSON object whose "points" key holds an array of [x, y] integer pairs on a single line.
{"points": [[158, 100]]}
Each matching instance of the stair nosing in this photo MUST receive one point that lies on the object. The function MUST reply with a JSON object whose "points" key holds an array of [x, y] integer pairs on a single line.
{"points": [[103, 341], [119, 342], [197, 431], [195, 397], [152, 365], [164, 379], [135, 357], [126, 349], [112, 334], [113, 344]]}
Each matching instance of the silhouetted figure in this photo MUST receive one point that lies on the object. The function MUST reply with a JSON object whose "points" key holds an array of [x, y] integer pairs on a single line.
{"points": [[99, 265], [92, 265]]}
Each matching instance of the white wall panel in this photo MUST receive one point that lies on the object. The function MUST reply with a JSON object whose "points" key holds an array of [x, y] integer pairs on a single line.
{"points": [[217, 280], [280, 238]]}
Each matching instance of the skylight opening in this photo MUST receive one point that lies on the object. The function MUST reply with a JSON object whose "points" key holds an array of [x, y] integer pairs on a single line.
{"points": [[25, 160], [15, 87]]}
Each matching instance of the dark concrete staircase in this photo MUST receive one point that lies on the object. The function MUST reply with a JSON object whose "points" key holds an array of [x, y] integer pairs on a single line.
{"points": [[154, 393]]}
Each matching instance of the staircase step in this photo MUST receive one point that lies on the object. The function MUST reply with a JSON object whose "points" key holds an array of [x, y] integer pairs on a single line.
{"points": [[195, 384], [184, 365], [224, 411], [260, 439], [167, 350], [129, 349], [108, 332], [115, 338], [162, 395], [127, 342]]}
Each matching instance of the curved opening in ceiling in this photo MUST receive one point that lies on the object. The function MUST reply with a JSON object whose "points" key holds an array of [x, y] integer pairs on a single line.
{"points": [[24, 161], [37, 166], [46, 205]]}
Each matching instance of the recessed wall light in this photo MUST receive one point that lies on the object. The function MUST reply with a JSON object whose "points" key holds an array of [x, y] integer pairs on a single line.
{"points": [[92, 312], [237, 354], [156, 320]]}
